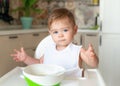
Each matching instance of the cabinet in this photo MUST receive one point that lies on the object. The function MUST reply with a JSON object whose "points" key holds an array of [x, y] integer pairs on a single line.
{"points": [[14, 41], [84, 38]]}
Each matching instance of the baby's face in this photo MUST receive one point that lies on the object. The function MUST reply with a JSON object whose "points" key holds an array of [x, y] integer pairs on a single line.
{"points": [[62, 32]]}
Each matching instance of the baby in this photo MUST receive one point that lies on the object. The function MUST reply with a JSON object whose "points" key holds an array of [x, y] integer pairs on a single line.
{"points": [[63, 52]]}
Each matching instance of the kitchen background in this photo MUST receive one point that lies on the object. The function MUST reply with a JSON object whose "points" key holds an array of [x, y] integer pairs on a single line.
{"points": [[85, 12], [12, 36], [106, 39]]}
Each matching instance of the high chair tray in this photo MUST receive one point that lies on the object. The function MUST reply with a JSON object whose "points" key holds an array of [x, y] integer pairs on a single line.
{"points": [[92, 78]]}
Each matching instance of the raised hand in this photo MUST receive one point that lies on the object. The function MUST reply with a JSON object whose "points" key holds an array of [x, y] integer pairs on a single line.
{"points": [[19, 55], [89, 56]]}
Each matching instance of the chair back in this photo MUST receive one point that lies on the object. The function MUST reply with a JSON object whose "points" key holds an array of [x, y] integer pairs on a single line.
{"points": [[47, 41]]}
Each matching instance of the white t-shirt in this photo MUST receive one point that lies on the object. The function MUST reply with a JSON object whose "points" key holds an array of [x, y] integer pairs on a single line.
{"points": [[67, 58]]}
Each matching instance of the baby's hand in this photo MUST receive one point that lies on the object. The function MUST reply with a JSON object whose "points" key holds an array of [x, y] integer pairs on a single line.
{"points": [[89, 56], [19, 55]]}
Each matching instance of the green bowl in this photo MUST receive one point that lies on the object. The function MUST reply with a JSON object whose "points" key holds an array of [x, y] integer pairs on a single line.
{"points": [[31, 83], [43, 75]]}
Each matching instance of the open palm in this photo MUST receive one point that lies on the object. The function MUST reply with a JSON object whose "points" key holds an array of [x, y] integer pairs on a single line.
{"points": [[19, 55]]}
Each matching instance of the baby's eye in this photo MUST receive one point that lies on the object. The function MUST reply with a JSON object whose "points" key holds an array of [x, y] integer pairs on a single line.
{"points": [[65, 30], [55, 32]]}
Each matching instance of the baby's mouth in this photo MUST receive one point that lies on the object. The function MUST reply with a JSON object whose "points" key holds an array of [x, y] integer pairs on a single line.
{"points": [[62, 40]]}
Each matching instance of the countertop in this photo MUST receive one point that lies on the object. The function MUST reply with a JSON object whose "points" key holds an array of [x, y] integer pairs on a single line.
{"points": [[92, 78], [18, 30]]}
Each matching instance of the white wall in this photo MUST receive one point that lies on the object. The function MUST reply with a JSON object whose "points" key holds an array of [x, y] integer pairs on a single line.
{"points": [[110, 14]]}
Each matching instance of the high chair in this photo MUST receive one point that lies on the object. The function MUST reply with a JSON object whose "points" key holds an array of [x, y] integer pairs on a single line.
{"points": [[47, 41]]}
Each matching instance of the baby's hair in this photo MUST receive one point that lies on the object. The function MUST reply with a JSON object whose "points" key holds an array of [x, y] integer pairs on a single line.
{"points": [[61, 13]]}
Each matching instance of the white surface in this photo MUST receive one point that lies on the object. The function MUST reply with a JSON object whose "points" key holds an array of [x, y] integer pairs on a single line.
{"points": [[92, 78]]}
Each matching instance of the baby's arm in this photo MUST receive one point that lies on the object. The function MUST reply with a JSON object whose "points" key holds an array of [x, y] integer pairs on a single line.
{"points": [[21, 56], [89, 56]]}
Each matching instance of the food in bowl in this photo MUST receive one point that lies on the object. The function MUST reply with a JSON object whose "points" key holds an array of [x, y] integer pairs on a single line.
{"points": [[43, 75]]}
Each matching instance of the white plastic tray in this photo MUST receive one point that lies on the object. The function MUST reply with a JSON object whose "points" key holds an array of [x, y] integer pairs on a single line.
{"points": [[92, 78]]}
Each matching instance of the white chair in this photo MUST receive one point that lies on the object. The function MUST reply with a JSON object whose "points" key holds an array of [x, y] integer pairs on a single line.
{"points": [[47, 41]]}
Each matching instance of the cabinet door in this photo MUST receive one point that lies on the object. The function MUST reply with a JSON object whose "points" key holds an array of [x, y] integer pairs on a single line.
{"points": [[7, 44], [31, 40]]}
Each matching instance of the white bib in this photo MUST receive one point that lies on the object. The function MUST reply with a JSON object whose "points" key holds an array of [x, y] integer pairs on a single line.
{"points": [[67, 58]]}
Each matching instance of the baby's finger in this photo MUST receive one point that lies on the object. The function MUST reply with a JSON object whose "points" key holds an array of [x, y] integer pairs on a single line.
{"points": [[15, 58], [16, 51], [92, 53], [90, 47], [22, 49], [13, 55]]}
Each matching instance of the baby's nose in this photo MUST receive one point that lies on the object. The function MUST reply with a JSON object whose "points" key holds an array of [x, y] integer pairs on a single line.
{"points": [[60, 34]]}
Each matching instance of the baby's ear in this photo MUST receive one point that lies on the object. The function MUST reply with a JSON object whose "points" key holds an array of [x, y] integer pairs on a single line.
{"points": [[75, 29]]}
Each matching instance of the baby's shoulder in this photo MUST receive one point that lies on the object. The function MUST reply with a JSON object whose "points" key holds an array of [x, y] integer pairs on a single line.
{"points": [[76, 46]]}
